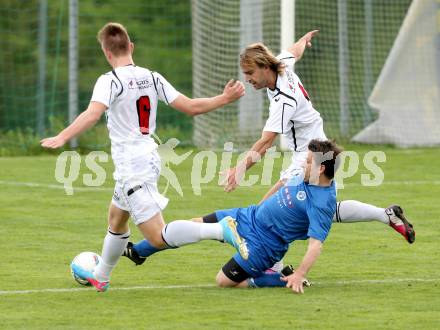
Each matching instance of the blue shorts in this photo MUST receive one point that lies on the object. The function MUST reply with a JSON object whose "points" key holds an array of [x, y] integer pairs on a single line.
{"points": [[259, 259]]}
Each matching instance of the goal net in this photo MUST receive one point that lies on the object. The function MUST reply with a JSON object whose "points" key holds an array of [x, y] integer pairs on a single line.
{"points": [[220, 30], [407, 93], [339, 72]]}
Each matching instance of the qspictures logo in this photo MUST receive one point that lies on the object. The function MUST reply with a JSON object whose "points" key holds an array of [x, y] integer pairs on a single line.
{"points": [[207, 165]]}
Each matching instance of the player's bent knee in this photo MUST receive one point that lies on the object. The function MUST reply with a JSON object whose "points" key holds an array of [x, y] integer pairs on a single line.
{"points": [[223, 281], [157, 241], [152, 231], [118, 220]]}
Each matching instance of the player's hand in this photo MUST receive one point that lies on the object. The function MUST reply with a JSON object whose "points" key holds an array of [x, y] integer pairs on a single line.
{"points": [[295, 282], [234, 89], [232, 178], [53, 142], [309, 36]]}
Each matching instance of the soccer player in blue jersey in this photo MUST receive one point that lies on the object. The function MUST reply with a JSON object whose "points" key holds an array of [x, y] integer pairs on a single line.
{"points": [[292, 114], [301, 209]]}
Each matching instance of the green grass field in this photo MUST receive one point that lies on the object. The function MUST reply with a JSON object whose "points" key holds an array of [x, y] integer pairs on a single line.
{"points": [[367, 277]]}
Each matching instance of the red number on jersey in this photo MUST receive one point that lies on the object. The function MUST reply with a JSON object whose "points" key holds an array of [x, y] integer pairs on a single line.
{"points": [[143, 110], [306, 95]]}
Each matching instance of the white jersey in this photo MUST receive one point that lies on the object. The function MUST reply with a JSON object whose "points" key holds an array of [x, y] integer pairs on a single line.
{"points": [[131, 94], [291, 112]]}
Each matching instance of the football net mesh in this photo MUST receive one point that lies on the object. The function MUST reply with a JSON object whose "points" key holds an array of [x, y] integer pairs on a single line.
{"points": [[339, 72], [220, 30], [34, 74]]}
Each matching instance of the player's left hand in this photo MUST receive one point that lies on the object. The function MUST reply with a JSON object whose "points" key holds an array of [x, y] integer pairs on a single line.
{"points": [[52, 142], [309, 36], [295, 282], [234, 89]]}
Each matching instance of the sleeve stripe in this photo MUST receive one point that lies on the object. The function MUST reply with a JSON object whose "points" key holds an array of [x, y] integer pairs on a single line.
{"points": [[154, 82], [122, 87], [111, 91], [282, 117], [294, 135], [286, 58], [284, 94], [163, 91]]}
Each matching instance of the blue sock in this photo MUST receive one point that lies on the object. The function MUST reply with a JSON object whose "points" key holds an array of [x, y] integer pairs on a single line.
{"points": [[268, 280], [145, 249]]}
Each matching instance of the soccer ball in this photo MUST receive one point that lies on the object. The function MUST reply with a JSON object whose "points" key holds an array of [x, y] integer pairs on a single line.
{"points": [[86, 260]]}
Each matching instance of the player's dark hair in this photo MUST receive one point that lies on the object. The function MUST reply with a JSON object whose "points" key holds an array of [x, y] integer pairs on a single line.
{"points": [[114, 37], [259, 55], [326, 153]]}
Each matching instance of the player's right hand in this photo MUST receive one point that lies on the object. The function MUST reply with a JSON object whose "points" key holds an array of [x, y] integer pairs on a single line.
{"points": [[52, 142], [232, 178], [233, 90], [295, 282]]}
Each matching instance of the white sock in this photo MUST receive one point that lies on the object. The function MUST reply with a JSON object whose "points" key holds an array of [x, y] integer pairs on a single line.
{"points": [[354, 211], [114, 245], [182, 232]]}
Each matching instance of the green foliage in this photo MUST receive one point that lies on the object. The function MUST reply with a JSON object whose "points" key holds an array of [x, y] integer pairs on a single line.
{"points": [[27, 143], [161, 31]]}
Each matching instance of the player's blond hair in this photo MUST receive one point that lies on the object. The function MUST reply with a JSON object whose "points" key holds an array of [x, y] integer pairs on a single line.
{"points": [[114, 38], [259, 55]]}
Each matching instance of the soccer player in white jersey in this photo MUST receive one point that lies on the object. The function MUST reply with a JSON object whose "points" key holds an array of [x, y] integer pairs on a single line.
{"points": [[129, 95], [291, 114]]}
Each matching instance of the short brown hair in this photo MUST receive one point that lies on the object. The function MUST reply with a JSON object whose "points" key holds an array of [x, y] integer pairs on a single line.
{"points": [[259, 55], [114, 38], [326, 153]]}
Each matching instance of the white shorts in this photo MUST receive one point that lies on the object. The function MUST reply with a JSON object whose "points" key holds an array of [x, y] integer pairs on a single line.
{"points": [[304, 134], [296, 167], [139, 195]]}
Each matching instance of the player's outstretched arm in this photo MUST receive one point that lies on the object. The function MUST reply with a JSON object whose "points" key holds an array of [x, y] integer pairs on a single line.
{"points": [[234, 175], [83, 122], [295, 281], [298, 48], [233, 90]]}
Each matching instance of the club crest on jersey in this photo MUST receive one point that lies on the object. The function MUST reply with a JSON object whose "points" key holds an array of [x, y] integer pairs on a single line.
{"points": [[301, 195]]}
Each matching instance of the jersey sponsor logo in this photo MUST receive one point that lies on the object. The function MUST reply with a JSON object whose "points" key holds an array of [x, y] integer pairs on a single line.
{"points": [[139, 83], [301, 195], [290, 77], [287, 198], [292, 88]]}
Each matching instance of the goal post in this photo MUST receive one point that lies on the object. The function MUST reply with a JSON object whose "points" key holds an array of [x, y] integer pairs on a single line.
{"points": [[221, 29], [287, 29]]}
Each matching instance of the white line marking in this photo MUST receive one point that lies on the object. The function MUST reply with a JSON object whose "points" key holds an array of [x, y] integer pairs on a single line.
{"points": [[201, 286], [51, 186], [85, 289], [184, 187], [384, 281], [397, 182]]}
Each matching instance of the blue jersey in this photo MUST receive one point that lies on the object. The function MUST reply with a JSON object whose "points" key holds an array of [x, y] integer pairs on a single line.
{"points": [[298, 211], [295, 212]]}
